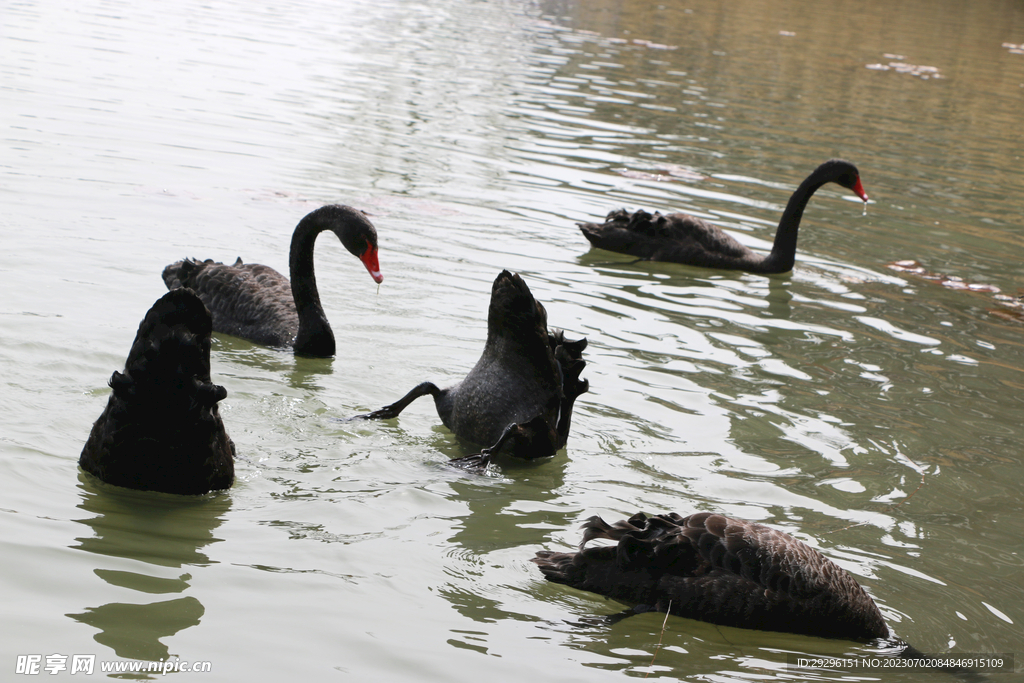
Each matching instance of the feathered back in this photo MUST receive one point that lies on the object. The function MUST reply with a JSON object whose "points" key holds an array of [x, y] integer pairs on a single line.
{"points": [[721, 570]]}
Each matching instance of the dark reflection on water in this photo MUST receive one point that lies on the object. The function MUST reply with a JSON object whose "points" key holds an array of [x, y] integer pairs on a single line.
{"points": [[162, 530], [493, 524], [134, 631]]}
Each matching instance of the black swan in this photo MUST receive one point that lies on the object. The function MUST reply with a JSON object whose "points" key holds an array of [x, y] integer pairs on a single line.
{"points": [[721, 570], [161, 430], [519, 396], [681, 238], [256, 302], [729, 572]]}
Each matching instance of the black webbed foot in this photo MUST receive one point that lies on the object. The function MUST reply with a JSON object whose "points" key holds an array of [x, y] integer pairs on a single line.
{"points": [[477, 462], [386, 413]]}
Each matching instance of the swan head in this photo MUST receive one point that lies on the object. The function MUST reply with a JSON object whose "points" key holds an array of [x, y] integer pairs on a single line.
{"points": [[846, 174], [356, 233]]}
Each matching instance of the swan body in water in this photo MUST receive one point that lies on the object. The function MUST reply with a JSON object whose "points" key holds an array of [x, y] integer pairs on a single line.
{"points": [[256, 302], [161, 430], [681, 238], [519, 396], [721, 570], [729, 572]]}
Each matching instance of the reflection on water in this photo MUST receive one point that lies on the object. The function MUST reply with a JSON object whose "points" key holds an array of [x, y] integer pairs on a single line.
{"points": [[162, 530], [134, 631], [495, 526], [302, 373]]}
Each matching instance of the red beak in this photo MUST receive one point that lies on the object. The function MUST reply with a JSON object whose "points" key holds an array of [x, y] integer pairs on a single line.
{"points": [[369, 259], [859, 189]]}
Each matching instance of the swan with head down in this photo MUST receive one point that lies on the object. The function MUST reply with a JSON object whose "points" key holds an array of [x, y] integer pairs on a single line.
{"points": [[519, 396], [161, 430]]}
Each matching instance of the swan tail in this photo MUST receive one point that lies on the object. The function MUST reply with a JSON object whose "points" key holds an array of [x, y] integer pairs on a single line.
{"points": [[181, 274], [597, 570], [627, 233], [602, 235], [595, 527], [161, 429], [187, 273]]}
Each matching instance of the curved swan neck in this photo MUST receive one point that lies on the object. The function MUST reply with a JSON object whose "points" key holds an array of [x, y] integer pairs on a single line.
{"points": [[783, 253], [314, 336]]}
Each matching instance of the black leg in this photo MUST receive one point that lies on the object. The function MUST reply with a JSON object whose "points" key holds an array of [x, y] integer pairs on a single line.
{"points": [[393, 410], [482, 459]]}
